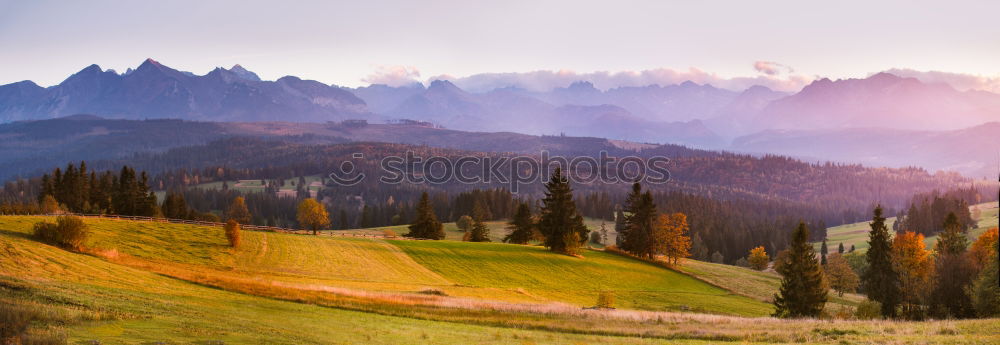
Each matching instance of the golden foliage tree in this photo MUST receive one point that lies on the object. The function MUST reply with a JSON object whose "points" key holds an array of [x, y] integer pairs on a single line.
{"points": [[913, 264], [238, 211], [984, 248], [49, 205], [670, 237], [840, 275], [233, 233], [312, 215], [758, 258]]}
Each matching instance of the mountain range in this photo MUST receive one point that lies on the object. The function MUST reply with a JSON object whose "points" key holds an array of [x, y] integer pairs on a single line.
{"points": [[156, 91], [860, 114]]}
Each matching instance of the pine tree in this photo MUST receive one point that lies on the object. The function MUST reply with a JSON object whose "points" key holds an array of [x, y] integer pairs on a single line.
{"points": [[698, 249], [520, 226], [986, 290], [822, 253], [426, 225], [802, 293], [840, 248], [479, 232], [344, 224], [880, 280], [954, 272], [559, 222], [632, 205], [640, 239]]}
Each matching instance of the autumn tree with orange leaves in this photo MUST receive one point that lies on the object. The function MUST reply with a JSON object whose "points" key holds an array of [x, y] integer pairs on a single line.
{"points": [[983, 248], [670, 237], [914, 266]]}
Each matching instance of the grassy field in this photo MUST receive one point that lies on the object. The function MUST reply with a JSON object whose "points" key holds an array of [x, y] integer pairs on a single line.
{"points": [[857, 233], [87, 299], [758, 285], [537, 273], [150, 283]]}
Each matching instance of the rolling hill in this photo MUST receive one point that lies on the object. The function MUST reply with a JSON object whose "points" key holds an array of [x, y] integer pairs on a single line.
{"points": [[148, 282]]}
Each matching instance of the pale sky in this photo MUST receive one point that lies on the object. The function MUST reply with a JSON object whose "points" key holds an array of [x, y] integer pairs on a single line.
{"points": [[344, 42]]}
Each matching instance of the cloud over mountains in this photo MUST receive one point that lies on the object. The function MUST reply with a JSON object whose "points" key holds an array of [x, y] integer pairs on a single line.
{"points": [[545, 80]]}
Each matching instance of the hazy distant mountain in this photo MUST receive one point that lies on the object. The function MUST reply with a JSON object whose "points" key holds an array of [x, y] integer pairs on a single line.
{"points": [[970, 151], [882, 100], [382, 98], [27, 147], [515, 110], [156, 91], [737, 117]]}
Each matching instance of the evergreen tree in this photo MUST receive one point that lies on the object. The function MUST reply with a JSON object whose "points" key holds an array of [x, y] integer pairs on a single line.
{"points": [[802, 293], [954, 272], [559, 222], [880, 280], [520, 226], [426, 225], [175, 207], [840, 248], [640, 238], [479, 232], [822, 253], [344, 224], [633, 202], [986, 290], [698, 249]]}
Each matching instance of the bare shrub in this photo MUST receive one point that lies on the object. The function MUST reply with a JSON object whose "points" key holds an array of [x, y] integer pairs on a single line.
{"points": [[68, 232]]}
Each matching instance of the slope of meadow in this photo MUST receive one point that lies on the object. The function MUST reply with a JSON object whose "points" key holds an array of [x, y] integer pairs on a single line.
{"points": [[124, 293], [90, 300], [491, 271], [857, 233], [537, 272]]}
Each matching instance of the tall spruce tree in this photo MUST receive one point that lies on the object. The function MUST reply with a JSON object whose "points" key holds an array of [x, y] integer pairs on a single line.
{"points": [[479, 231], [823, 250], [802, 293], [520, 226], [880, 280], [954, 272], [560, 223], [632, 205], [426, 225], [639, 239]]}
